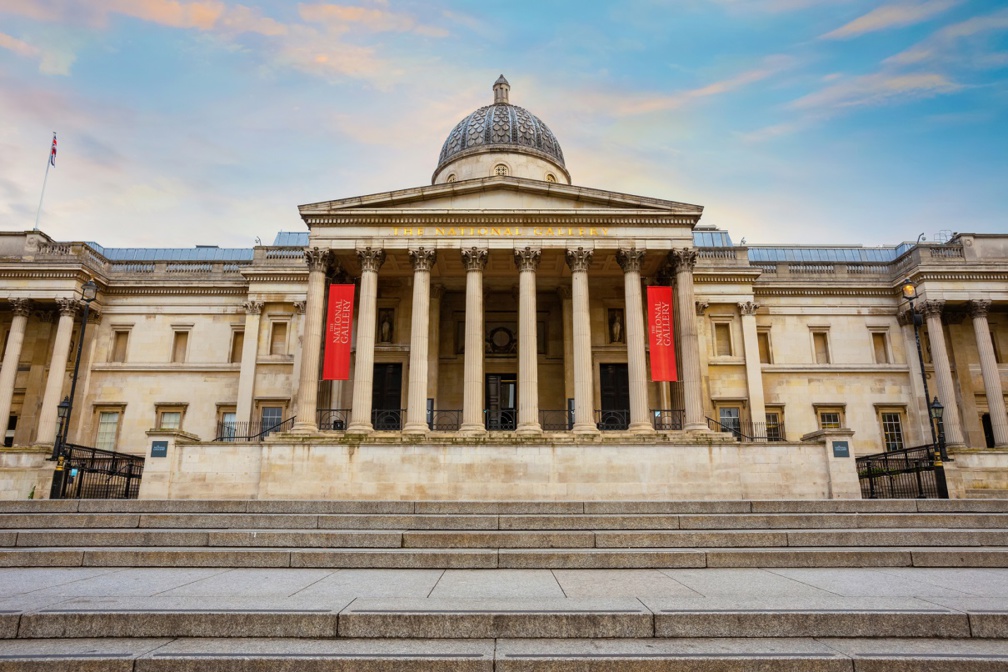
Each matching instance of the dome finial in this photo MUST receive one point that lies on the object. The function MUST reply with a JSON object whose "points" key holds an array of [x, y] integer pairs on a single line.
{"points": [[500, 89]]}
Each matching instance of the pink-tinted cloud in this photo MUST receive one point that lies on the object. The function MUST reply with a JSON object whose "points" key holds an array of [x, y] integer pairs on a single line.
{"points": [[896, 15], [342, 17], [19, 47], [943, 44], [876, 89]]}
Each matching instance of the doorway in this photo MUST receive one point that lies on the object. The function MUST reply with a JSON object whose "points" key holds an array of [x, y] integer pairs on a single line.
{"points": [[614, 392], [501, 401], [386, 397]]}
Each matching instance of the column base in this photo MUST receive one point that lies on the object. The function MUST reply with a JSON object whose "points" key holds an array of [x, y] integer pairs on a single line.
{"points": [[359, 428], [415, 428], [585, 429], [304, 428], [696, 427], [472, 429], [641, 428], [530, 429]]}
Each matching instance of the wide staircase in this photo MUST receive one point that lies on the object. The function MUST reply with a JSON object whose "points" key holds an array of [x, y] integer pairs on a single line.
{"points": [[853, 585]]}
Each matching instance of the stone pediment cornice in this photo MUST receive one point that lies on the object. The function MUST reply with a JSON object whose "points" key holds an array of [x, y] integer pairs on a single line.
{"points": [[503, 218], [162, 290], [823, 290], [737, 276]]}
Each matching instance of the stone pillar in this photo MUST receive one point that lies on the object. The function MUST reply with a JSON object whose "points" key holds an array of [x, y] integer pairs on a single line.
{"points": [[989, 370], [311, 341], [584, 407], [434, 339], [684, 260], [416, 395], [754, 373], [630, 261], [12, 356], [527, 261], [932, 310], [250, 352], [567, 314], [360, 410], [48, 418], [475, 260]]}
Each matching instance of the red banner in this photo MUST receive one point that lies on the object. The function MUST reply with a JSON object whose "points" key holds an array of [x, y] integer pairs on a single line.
{"points": [[661, 329], [339, 326]]}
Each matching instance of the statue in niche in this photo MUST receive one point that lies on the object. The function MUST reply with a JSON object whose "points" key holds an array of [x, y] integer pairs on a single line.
{"points": [[385, 325], [616, 325]]}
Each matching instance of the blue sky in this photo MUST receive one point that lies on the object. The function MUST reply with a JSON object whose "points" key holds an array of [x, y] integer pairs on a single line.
{"points": [[790, 121]]}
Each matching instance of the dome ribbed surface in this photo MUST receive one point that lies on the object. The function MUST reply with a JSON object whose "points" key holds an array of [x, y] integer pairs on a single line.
{"points": [[501, 127]]}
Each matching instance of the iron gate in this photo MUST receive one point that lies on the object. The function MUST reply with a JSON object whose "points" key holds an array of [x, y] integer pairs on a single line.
{"points": [[92, 473], [910, 473]]}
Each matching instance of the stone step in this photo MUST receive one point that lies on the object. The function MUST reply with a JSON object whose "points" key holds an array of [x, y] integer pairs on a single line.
{"points": [[511, 558]]}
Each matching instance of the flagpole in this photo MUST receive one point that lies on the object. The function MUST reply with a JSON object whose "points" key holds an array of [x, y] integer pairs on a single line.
{"points": [[49, 160]]}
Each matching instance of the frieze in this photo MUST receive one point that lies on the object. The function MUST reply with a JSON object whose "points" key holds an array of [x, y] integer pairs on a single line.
{"points": [[526, 220], [499, 232]]}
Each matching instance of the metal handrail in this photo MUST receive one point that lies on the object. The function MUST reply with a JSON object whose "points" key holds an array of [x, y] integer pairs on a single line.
{"points": [[612, 419], [556, 421], [668, 419], [255, 430], [336, 419], [444, 420]]}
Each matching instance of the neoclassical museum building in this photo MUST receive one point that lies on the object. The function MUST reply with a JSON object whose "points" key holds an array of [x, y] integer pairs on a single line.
{"points": [[499, 348]]}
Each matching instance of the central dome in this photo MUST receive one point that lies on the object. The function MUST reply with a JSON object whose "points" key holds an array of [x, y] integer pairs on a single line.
{"points": [[495, 134]]}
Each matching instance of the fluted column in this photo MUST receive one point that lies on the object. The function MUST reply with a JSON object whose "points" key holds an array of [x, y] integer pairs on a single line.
{"points": [[630, 261], [932, 310], [416, 396], [584, 400], [527, 261], [567, 314], [48, 419], [250, 351], [475, 260], [684, 260], [978, 310], [311, 341], [360, 413], [15, 340], [434, 342], [754, 373]]}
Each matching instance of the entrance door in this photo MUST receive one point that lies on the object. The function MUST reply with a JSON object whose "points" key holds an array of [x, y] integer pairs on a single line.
{"points": [[501, 401], [988, 428], [386, 397], [614, 389]]}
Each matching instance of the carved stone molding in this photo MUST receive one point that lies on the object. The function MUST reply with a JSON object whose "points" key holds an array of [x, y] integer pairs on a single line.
{"points": [[565, 293], [474, 258], [67, 306], [701, 307], [978, 307], [527, 259], [21, 307], [928, 308], [253, 307], [683, 259], [905, 317], [423, 259], [317, 259], [371, 259], [436, 291], [630, 260], [299, 307], [579, 260], [748, 307]]}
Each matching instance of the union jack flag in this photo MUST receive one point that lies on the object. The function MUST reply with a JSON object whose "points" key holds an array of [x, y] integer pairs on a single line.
{"points": [[52, 153]]}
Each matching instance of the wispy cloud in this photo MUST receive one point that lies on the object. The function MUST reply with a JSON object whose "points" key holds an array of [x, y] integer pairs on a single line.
{"points": [[943, 44], [896, 15], [346, 17], [876, 89], [19, 47]]}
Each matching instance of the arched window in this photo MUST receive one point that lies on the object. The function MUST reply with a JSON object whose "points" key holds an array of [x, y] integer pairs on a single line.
{"points": [[500, 169], [550, 177], [451, 178]]}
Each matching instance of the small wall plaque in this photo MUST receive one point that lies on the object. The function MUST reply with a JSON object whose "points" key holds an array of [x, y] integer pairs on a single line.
{"points": [[841, 449], [160, 449]]}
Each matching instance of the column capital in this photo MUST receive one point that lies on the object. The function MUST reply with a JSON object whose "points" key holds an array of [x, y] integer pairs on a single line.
{"points": [[630, 260], [527, 259], [579, 260], [436, 291], [933, 307], [978, 308], [317, 259], [701, 307], [564, 292], [253, 307], [683, 259], [21, 307], [748, 307], [67, 306], [299, 307], [423, 259], [474, 258], [371, 259]]}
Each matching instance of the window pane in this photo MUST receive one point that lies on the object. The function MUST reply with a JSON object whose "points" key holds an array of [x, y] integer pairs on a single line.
{"points": [[829, 420], [892, 431], [108, 422], [773, 428], [171, 420]]}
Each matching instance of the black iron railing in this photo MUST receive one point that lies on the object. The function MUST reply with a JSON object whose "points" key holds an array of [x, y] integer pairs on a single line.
{"points": [[667, 419], [909, 473], [251, 431], [501, 420], [745, 430], [92, 473], [556, 421], [387, 419], [444, 420], [611, 420], [333, 418]]}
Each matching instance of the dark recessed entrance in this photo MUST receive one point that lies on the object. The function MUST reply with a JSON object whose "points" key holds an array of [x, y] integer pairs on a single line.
{"points": [[614, 389], [386, 397], [501, 401]]}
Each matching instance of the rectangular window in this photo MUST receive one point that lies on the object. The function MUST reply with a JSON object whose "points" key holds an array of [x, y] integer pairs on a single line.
{"points": [[830, 420], [730, 419], [108, 429], [120, 339], [763, 340], [881, 347], [170, 420], [722, 339], [774, 426], [271, 417], [278, 338], [892, 431], [820, 341], [9, 435], [180, 344], [237, 344]]}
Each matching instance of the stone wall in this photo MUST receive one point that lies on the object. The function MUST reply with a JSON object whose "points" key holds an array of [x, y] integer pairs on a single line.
{"points": [[978, 473], [21, 470]]}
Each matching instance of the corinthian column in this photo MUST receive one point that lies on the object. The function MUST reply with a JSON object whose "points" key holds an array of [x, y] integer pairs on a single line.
{"points": [[630, 261], [584, 408], [684, 260], [250, 350], [989, 370], [754, 373], [311, 341], [527, 261], [360, 413], [57, 371], [932, 310], [475, 260], [8, 374], [416, 398]]}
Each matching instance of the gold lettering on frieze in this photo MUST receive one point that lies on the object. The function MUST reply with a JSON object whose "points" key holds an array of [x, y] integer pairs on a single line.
{"points": [[497, 232]]}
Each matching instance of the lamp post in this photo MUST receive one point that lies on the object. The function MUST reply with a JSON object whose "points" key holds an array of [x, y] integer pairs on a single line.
{"points": [[937, 411], [909, 290], [56, 489]]}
